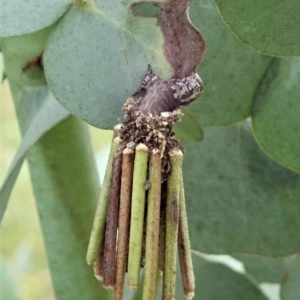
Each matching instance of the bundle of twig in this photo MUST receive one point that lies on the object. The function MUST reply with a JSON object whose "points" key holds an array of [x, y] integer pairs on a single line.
{"points": [[141, 217]]}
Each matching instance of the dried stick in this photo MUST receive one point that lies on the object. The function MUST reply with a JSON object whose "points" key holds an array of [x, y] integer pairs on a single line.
{"points": [[97, 234], [137, 214], [152, 232], [184, 249], [172, 220], [124, 218], [97, 266], [162, 231], [109, 252]]}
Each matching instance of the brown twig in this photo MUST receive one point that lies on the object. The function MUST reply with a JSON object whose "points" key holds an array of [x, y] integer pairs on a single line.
{"points": [[98, 266], [97, 234], [124, 221], [109, 254], [162, 231]]}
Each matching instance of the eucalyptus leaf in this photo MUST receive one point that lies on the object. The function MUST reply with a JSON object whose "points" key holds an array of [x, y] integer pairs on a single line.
{"points": [[188, 129], [21, 54], [267, 269], [66, 189], [218, 282], [269, 26], [238, 199], [97, 56], [276, 113], [49, 114], [230, 71], [290, 288], [20, 17]]}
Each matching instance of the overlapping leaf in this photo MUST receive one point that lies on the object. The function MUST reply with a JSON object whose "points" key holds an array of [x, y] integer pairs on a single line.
{"points": [[290, 288], [269, 26], [47, 116], [20, 17], [276, 113], [267, 269], [238, 199], [66, 189], [96, 58], [231, 71], [283, 271], [218, 282]]}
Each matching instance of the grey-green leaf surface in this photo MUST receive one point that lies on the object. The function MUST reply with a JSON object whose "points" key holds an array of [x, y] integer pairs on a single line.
{"points": [[276, 113], [188, 129], [267, 269], [48, 115], [66, 189], [269, 26], [290, 288], [97, 56], [230, 71], [218, 282], [20, 17], [36, 107], [63, 173], [238, 199], [92, 74], [19, 51]]}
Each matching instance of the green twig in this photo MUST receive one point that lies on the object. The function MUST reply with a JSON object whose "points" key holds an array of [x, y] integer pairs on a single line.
{"points": [[152, 232], [172, 220], [137, 215], [97, 235], [184, 249]]}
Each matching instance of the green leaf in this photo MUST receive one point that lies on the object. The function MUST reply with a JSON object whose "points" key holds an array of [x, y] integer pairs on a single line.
{"points": [[37, 110], [48, 115], [218, 282], [188, 129], [230, 71], [290, 288], [146, 9], [20, 17], [267, 269], [19, 52], [97, 56], [276, 113], [239, 200], [66, 189], [269, 26]]}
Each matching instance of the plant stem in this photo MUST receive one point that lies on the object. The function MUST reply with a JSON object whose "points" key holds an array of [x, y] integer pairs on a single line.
{"points": [[152, 232], [109, 252], [184, 249], [124, 218], [172, 220], [137, 214], [97, 234]]}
